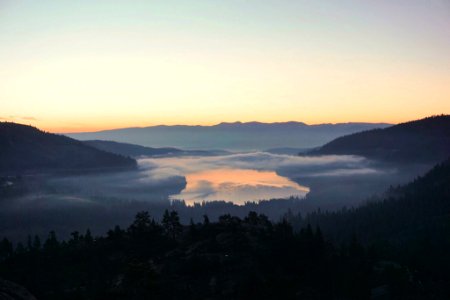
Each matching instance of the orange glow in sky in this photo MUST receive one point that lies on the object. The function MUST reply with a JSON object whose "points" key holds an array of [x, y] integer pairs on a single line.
{"points": [[71, 66]]}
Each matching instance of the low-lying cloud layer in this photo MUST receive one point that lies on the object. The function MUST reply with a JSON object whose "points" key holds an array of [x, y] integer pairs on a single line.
{"points": [[100, 201], [248, 176], [332, 165]]}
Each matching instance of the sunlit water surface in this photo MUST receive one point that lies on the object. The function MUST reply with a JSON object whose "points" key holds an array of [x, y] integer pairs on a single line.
{"points": [[243, 177], [238, 186], [230, 178]]}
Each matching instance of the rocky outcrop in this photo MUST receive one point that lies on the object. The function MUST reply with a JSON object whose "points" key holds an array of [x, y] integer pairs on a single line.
{"points": [[13, 291]]}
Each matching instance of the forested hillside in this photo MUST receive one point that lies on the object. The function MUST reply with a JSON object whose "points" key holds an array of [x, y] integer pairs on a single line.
{"points": [[426, 140], [410, 227], [418, 210], [26, 149]]}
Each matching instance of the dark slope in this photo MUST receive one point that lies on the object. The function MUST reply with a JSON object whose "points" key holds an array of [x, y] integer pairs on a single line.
{"points": [[419, 210], [138, 150], [12, 291], [26, 149], [409, 229], [426, 140]]}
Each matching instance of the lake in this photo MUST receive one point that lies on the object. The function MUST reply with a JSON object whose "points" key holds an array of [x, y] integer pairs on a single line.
{"points": [[244, 177]]}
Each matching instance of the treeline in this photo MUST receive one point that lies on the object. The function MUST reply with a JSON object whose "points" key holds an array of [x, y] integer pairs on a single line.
{"points": [[234, 258]]}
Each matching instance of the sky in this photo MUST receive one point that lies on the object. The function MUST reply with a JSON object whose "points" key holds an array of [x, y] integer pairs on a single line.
{"points": [[70, 66]]}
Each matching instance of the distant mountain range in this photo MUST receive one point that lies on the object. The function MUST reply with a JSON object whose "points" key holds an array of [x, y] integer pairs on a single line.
{"points": [[231, 136], [133, 150], [425, 140], [26, 149]]}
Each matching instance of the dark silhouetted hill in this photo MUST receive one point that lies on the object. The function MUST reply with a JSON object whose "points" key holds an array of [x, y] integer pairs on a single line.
{"points": [[417, 210], [425, 140], [409, 227], [137, 150], [26, 149]]}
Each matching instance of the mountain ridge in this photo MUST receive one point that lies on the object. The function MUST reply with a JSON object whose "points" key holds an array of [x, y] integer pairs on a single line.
{"points": [[134, 150], [229, 136], [236, 123]]}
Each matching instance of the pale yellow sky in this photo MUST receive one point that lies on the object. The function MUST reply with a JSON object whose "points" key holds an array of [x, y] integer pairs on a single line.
{"points": [[83, 67]]}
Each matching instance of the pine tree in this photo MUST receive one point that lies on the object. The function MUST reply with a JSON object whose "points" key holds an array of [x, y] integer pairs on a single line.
{"points": [[6, 249], [171, 224], [37, 243], [142, 223], [88, 239], [52, 242]]}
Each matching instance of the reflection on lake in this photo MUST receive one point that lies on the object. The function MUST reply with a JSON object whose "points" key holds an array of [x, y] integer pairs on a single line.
{"points": [[238, 186], [242, 177]]}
